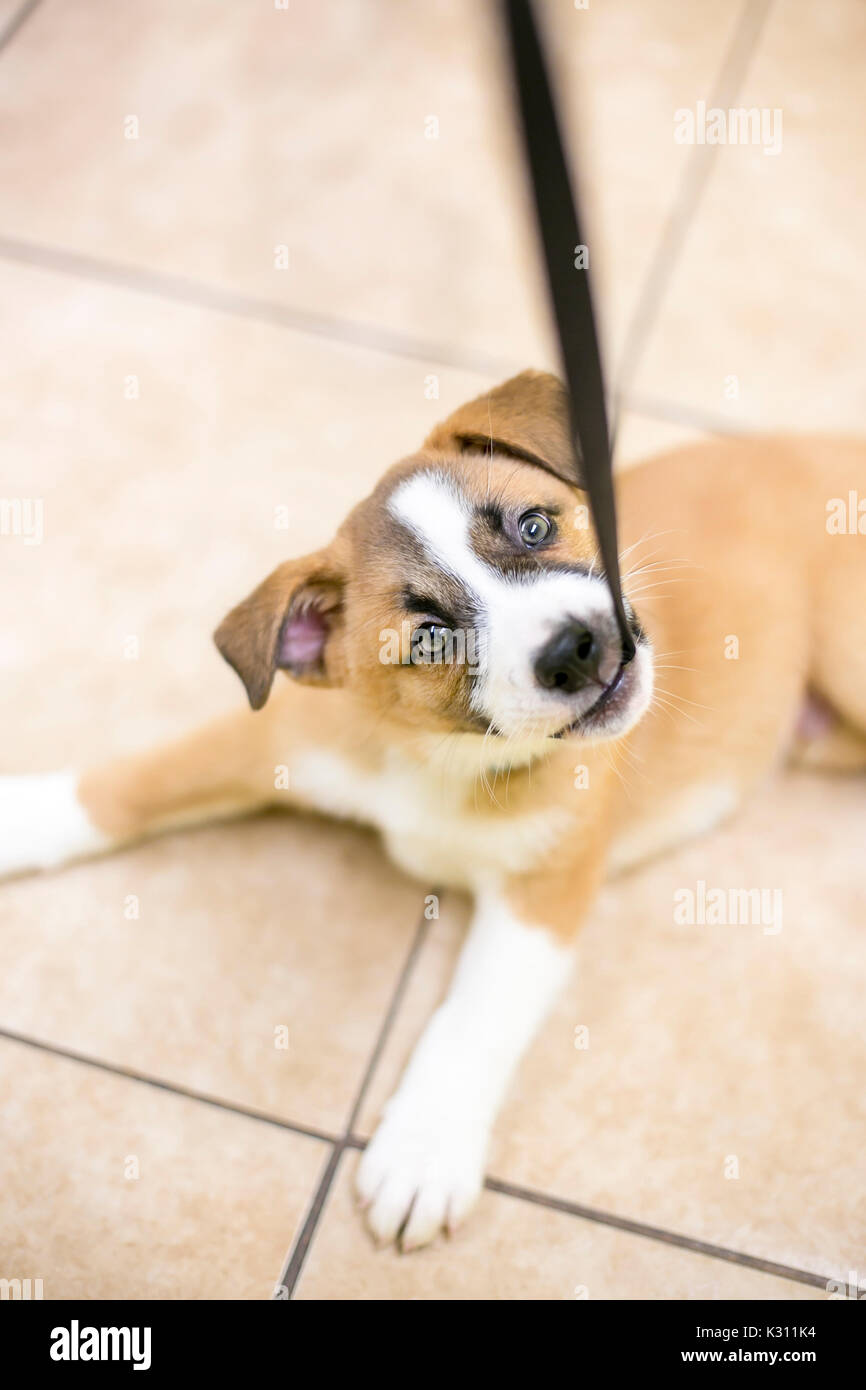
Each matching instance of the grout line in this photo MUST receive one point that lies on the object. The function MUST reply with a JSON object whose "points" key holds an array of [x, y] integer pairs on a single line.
{"points": [[658, 1233], [691, 188], [294, 1264], [350, 1140], [422, 931], [338, 331], [181, 290], [174, 1088], [16, 22], [637, 1228]]}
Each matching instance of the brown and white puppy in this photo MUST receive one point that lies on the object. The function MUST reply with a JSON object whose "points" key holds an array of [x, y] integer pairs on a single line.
{"points": [[457, 682]]}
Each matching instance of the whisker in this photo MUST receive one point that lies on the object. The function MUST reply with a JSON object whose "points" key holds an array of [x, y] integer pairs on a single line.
{"points": [[673, 694]]}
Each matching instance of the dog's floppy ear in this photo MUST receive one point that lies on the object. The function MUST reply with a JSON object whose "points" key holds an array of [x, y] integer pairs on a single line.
{"points": [[291, 622], [526, 417]]}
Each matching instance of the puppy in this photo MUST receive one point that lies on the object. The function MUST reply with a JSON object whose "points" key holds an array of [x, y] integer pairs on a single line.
{"points": [[456, 680]]}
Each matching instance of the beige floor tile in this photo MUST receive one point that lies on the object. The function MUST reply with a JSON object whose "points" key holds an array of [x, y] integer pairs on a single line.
{"points": [[243, 931], [112, 1189], [513, 1249], [307, 128], [711, 1049], [771, 288]]}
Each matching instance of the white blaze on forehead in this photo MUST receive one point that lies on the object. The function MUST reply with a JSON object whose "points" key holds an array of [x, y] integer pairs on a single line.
{"points": [[440, 517], [519, 611]]}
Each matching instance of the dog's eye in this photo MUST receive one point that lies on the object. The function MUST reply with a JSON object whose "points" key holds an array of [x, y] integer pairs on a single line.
{"points": [[430, 642], [534, 528]]}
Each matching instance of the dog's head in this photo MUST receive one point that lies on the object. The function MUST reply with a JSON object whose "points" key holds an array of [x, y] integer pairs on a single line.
{"points": [[464, 593]]}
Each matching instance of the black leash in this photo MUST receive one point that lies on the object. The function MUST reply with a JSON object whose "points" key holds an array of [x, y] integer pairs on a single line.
{"points": [[558, 224]]}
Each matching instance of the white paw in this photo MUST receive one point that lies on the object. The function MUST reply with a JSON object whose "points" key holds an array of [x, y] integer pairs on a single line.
{"points": [[42, 823], [420, 1173]]}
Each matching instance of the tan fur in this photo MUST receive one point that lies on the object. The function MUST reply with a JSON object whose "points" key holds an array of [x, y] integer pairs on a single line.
{"points": [[725, 551], [526, 417], [840, 749]]}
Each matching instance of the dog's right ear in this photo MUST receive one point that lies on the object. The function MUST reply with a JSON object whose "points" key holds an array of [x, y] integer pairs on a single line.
{"points": [[525, 418], [292, 622]]}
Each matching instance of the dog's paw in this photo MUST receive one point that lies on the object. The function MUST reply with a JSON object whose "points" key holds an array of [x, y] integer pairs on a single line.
{"points": [[420, 1173], [43, 824]]}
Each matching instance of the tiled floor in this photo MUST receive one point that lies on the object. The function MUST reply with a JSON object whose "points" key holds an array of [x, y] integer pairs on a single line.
{"points": [[165, 389]]}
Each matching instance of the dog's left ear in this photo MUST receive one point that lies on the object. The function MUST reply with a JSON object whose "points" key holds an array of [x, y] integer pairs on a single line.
{"points": [[526, 417], [292, 622]]}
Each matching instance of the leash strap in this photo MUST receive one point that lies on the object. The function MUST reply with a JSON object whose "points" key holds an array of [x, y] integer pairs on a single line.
{"points": [[559, 229]]}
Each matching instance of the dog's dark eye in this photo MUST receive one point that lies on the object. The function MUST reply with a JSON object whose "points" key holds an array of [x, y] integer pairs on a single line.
{"points": [[430, 642], [534, 528]]}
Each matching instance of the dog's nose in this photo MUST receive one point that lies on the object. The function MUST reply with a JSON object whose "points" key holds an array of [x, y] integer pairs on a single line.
{"points": [[570, 660]]}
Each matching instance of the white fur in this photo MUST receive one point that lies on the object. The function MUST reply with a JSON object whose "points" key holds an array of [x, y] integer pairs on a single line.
{"points": [[42, 823], [420, 810], [520, 613], [425, 1164]]}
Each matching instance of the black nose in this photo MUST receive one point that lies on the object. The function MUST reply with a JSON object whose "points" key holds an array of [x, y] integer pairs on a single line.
{"points": [[569, 661]]}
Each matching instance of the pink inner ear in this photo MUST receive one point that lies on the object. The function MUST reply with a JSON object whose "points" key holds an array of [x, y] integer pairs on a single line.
{"points": [[302, 640]]}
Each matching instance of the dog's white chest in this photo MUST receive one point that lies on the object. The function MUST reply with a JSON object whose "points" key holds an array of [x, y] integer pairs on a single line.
{"points": [[423, 820]]}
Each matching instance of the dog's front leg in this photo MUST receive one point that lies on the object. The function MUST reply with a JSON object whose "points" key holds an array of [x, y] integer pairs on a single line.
{"points": [[49, 819], [424, 1167]]}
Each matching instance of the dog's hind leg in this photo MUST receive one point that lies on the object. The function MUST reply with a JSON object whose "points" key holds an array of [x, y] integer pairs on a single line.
{"points": [[224, 769], [826, 743]]}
